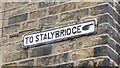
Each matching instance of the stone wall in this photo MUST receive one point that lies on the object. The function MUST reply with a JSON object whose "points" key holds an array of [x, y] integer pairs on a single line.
{"points": [[99, 49]]}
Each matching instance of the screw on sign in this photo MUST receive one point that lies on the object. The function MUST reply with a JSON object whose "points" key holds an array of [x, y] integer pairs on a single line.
{"points": [[60, 33]]}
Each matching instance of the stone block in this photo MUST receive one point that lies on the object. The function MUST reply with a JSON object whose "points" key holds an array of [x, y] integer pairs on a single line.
{"points": [[15, 38], [48, 22], [14, 56], [73, 15], [99, 9], [46, 4], [6, 48], [94, 62], [31, 7], [50, 60], [80, 54], [67, 16], [76, 43], [11, 29], [18, 18], [86, 4], [18, 46], [11, 5], [29, 25], [38, 13], [107, 29], [111, 42], [62, 8], [106, 51], [64, 57], [40, 51], [69, 65]]}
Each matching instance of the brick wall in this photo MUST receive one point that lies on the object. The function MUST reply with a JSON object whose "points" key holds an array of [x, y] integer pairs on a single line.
{"points": [[99, 49]]}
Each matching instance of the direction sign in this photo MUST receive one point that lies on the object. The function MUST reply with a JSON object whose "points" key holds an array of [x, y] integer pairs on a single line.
{"points": [[60, 33]]}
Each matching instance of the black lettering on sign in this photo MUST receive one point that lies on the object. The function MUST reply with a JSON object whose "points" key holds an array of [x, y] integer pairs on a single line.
{"points": [[49, 35], [52, 33], [65, 32], [86, 27], [68, 31], [78, 29], [45, 36], [62, 32], [74, 30], [41, 35], [37, 39], [31, 39], [57, 34], [26, 40]]}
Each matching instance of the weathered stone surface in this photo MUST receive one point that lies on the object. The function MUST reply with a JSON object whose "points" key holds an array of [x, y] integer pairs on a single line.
{"points": [[29, 25], [47, 4], [69, 65], [60, 47], [18, 18], [117, 7], [60, 24], [31, 7], [52, 59], [78, 54], [62, 8], [40, 51], [89, 63], [64, 57], [103, 62], [114, 14], [11, 5], [6, 48], [18, 46], [105, 28], [86, 4], [11, 29], [26, 63], [38, 14], [13, 12], [105, 8], [106, 51], [27, 8], [111, 43], [15, 38], [43, 4], [77, 43], [67, 16], [14, 56], [99, 9], [48, 22], [95, 62], [4, 39], [73, 15], [5, 22]]}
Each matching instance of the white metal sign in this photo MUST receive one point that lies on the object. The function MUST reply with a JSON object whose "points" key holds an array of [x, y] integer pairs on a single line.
{"points": [[59, 33]]}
